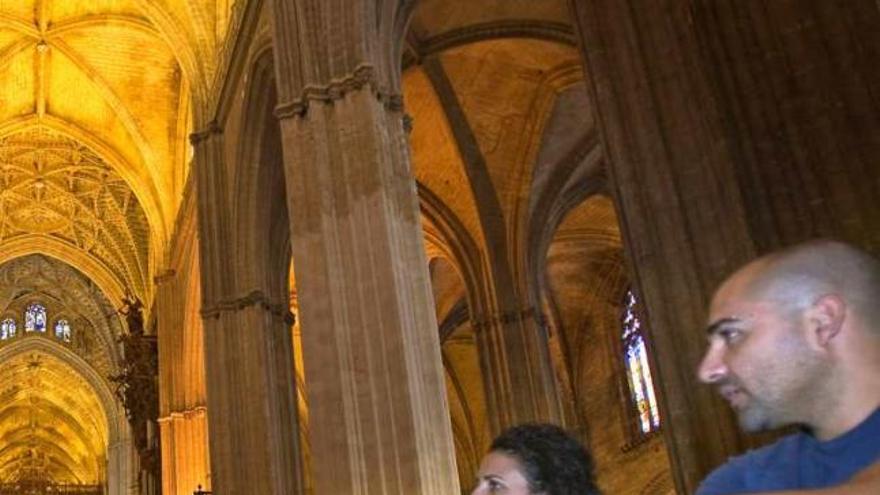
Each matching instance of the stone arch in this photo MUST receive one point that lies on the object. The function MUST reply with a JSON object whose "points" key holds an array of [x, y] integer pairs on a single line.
{"points": [[445, 231], [119, 472], [584, 280], [258, 265], [579, 175], [94, 357], [260, 197], [137, 179], [451, 249], [90, 267], [62, 281]]}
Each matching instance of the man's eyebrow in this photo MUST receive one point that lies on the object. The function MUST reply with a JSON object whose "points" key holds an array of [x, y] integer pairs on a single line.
{"points": [[714, 326]]}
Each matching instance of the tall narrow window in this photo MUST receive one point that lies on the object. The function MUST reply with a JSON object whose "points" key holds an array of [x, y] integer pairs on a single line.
{"points": [[7, 329], [62, 330], [638, 369], [35, 318]]}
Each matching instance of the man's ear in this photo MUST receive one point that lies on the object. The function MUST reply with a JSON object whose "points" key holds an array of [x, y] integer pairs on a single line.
{"points": [[826, 317]]}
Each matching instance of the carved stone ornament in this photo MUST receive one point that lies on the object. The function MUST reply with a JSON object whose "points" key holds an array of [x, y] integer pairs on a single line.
{"points": [[68, 294], [51, 185]]}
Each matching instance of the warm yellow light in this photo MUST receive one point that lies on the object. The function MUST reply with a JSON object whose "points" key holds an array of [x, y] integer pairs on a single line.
{"points": [[52, 423]]}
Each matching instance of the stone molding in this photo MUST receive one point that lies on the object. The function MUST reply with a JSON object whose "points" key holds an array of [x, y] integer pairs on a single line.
{"points": [[164, 276], [505, 318], [364, 75], [550, 31], [187, 413], [198, 136], [253, 298]]}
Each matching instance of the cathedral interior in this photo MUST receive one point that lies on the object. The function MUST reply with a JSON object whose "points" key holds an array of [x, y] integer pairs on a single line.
{"points": [[336, 246]]}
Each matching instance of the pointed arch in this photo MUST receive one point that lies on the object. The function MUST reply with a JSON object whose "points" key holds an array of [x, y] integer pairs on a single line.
{"points": [[137, 179], [90, 266]]}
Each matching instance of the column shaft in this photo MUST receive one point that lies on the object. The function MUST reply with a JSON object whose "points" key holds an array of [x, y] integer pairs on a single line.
{"points": [[732, 128], [380, 420]]}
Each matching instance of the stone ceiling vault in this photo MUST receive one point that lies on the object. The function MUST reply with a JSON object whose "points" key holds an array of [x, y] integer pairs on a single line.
{"points": [[118, 82], [51, 421], [57, 411], [53, 187]]}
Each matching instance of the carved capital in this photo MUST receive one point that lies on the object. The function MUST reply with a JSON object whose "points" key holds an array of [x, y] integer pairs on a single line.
{"points": [[198, 136], [164, 276], [481, 322], [364, 76], [253, 298], [184, 414]]}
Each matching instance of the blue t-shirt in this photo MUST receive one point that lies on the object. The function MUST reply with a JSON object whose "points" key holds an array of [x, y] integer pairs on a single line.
{"points": [[798, 461]]}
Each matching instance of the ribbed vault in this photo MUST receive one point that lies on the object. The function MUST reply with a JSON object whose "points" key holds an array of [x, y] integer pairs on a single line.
{"points": [[54, 186], [65, 293], [55, 401], [53, 426], [122, 78]]}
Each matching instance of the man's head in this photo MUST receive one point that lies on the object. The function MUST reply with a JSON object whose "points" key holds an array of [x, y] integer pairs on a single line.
{"points": [[782, 329]]}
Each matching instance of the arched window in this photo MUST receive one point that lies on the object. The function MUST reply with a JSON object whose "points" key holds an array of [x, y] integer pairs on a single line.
{"points": [[35, 318], [62, 330], [7, 329], [638, 369]]}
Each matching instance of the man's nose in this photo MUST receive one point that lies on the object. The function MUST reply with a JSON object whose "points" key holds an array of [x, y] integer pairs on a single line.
{"points": [[713, 367]]}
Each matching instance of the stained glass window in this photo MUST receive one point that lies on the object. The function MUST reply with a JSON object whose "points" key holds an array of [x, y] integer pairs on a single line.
{"points": [[638, 369], [35, 318], [62, 330], [7, 329]]}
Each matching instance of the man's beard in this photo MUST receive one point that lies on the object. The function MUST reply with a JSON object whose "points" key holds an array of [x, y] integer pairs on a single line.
{"points": [[753, 413], [757, 416]]}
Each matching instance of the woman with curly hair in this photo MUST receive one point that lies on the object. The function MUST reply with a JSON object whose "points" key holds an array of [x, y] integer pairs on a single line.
{"points": [[536, 459]]}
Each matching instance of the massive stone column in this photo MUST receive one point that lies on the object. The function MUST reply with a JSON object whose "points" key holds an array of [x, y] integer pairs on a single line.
{"points": [[379, 417], [732, 128], [248, 352]]}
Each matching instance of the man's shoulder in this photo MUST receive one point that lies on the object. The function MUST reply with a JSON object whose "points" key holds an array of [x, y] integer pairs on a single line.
{"points": [[746, 472]]}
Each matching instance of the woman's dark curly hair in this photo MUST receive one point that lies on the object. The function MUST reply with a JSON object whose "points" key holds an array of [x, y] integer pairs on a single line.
{"points": [[553, 462]]}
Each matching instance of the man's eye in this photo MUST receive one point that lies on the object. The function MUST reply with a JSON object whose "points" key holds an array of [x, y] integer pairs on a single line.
{"points": [[495, 486], [730, 335]]}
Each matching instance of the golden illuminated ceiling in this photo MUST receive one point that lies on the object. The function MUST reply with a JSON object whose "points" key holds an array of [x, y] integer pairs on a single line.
{"points": [[98, 71], [52, 420], [52, 423], [53, 186], [116, 81], [64, 292], [97, 98]]}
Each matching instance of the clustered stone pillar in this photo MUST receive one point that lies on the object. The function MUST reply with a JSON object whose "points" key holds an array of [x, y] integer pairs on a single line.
{"points": [[249, 368], [732, 128], [512, 339], [185, 451], [376, 392], [183, 423], [515, 363]]}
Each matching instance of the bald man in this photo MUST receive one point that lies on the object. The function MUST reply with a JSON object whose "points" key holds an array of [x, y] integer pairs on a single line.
{"points": [[794, 339]]}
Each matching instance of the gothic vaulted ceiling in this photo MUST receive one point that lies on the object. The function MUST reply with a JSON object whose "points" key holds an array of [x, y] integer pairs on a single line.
{"points": [[52, 424], [482, 81], [97, 98], [95, 106], [57, 189]]}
